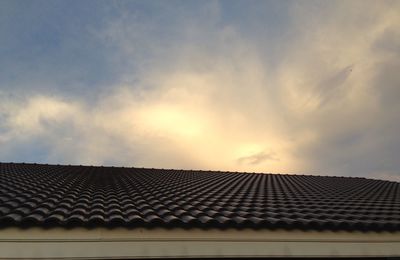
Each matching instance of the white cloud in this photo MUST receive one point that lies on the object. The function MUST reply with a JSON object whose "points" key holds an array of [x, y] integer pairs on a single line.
{"points": [[208, 97]]}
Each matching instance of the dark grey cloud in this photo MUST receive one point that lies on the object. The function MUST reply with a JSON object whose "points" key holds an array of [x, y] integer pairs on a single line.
{"points": [[332, 87]]}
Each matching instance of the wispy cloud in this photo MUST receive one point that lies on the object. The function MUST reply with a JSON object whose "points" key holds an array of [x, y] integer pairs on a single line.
{"points": [[257, 158]]}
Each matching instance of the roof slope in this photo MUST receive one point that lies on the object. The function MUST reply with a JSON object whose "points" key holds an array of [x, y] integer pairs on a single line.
{"points": [[53, 195]]}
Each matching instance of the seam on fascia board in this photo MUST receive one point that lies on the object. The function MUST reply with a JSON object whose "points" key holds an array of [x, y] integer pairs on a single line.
{"points": [[22, 240]]}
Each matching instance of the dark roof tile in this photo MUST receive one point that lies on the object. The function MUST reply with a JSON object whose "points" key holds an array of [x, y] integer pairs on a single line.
{"points": [[56, 195]]}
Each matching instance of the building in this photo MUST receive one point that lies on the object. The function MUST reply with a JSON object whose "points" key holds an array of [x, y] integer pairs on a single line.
{"points": [[87, 212]]}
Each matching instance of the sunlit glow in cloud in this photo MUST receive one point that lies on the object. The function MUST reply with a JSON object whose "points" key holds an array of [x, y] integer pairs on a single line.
{"points": [[322, 98]]}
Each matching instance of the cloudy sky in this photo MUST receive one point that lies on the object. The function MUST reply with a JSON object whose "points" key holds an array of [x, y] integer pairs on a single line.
{"points": [[307, 87]]}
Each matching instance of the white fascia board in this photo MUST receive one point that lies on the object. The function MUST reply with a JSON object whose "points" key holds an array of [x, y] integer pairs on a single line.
{"points": [[101, 243]]}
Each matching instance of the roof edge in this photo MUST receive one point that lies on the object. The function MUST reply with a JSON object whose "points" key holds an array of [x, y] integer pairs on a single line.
{"points": [[192, 170]]}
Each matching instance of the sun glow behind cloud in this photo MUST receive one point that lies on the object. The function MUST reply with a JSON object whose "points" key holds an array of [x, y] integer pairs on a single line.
{"points": [[318, 98]]}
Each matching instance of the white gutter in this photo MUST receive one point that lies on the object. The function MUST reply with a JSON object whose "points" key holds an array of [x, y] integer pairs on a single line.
{"points": [[101, 243]]}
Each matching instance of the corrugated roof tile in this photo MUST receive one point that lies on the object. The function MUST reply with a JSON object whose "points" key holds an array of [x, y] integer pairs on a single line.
{"points": [[89, 196]]}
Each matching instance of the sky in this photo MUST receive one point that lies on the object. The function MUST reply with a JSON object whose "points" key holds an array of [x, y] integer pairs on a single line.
{"points": [[300, 87]]}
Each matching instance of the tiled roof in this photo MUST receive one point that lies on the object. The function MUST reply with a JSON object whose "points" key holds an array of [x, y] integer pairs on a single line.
{"points": [[54, 195]]}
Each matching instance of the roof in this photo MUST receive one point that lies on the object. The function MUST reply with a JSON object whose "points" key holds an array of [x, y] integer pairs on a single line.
{"points": [[87, 196]]}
